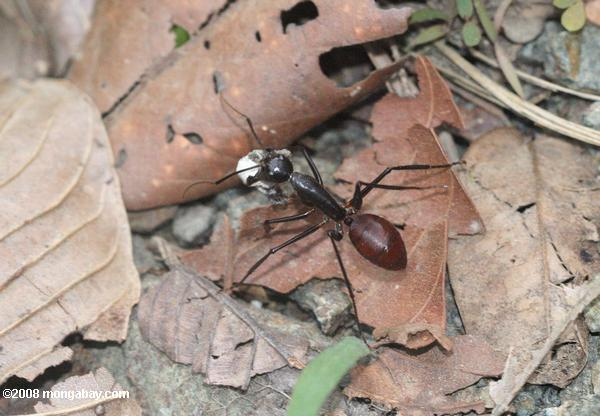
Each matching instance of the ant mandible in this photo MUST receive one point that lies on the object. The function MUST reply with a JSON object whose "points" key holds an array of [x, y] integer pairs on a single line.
{"points": [[375, 238]]}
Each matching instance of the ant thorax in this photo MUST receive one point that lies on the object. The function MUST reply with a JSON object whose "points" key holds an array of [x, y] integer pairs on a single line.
{"points": [[256, 178]]}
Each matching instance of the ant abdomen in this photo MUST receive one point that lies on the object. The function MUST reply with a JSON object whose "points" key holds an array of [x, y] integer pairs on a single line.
{"points": [[377, 240]]}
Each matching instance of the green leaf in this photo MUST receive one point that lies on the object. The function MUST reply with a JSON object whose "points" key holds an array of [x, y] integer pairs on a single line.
{"points": [[471, 34], [428, 35], [322, 375], [181, 35], [486, 22], [573, 18], [563, 4], [464, 8], [426, 15]]}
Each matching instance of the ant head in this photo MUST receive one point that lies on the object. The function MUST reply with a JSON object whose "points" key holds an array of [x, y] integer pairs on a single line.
{"points": [[279, 168]]}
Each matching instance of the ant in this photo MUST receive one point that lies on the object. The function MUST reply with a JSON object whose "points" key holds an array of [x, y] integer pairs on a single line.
{"points": [[375, 238]]}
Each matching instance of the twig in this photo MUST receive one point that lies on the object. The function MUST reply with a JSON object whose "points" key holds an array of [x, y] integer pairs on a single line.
{"points": [[518, 105], [536, 80], [490, 108], [500, 12]]}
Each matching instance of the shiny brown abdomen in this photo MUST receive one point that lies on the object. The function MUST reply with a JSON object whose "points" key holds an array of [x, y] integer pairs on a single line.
{"points": [[378, 241]]}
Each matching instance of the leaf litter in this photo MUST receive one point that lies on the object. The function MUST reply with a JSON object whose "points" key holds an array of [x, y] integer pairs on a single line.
{"points": [[174, 114], [406, 307], [193, 322], [538, 199], [65, 242]]}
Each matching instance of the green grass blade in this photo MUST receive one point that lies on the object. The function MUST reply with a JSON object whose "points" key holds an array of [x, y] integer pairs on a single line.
{"points": [[427, 35], [322, 375], [427, 15], [486, 22]]}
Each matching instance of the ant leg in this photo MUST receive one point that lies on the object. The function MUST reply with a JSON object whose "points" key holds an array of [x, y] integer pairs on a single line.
{"points": [[246, 118], [290, 218], [311, 163], [357, 197], [336, 236], [274, 250], [388, 170], [218, 181]]}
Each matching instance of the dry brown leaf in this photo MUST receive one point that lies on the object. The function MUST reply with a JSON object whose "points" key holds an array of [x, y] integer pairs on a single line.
{"points": [[64, 238], [91, 397], [539, 202], [417, 384], [193, 322], [520, 365], [124, 43], [171, 128], [38, 38]]}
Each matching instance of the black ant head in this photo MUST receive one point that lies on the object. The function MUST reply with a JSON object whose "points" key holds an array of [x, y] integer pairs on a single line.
{"points": [[279, 168]]}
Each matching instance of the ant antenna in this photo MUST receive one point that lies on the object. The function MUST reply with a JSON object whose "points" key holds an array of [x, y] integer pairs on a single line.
{"points": [[218, 181], [248, 121]]}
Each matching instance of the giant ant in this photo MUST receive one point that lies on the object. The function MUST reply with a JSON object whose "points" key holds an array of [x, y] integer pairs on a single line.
{"points": [[375, 238]]}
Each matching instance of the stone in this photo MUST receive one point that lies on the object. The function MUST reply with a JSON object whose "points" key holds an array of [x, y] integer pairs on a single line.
{"points": [[567, 58], [588, 405], [193, 223], [145, 222], [533, 398], [327, 300], [143, 258], [591, 117]]}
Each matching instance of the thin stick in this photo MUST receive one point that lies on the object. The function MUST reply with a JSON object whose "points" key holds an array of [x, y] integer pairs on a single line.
{"points": [[518, 105], [536, 80]]}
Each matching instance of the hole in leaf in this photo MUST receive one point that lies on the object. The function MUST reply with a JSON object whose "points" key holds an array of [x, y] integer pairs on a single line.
{"points": [[525, 207], [586, 256], [257, 36], [298, 15], [121, 158], [346, 65], [193, 137], [170, 133], [390, 4], [181, 35], [207, 44], [217, 79]]}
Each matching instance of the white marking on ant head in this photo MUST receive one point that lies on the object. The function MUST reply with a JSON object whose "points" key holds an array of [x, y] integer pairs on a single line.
{"points": [[257, 157]]}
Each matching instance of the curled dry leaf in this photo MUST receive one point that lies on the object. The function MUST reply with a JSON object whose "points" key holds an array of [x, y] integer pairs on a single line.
{"points": [[193, 322], [419, 384], [539, 202], [64, 238], [171, 128], [91, 398]]}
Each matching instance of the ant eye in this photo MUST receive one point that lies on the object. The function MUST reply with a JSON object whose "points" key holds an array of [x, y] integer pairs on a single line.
{"points": [[279, 169]]}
